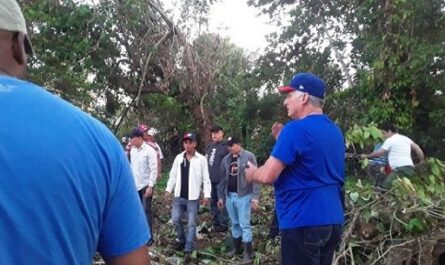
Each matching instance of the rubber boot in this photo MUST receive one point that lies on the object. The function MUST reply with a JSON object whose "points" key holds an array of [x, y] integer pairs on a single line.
{"points": [[247, 258], [236, 248]]}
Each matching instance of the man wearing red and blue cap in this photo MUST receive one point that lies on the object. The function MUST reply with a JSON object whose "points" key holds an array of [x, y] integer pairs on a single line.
{"points": [[306, 167], [188, 174]]}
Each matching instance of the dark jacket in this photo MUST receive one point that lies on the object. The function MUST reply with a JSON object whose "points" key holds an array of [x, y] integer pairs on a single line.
{"points": [[244, 188], [215, 152]]}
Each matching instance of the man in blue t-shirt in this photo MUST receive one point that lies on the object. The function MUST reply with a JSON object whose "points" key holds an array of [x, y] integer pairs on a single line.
{"points": [[60, 200], [307, 169]]}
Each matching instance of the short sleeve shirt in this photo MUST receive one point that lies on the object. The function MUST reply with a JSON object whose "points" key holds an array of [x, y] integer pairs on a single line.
{"points": [[66, 188], [399, 151], [308, 189]]}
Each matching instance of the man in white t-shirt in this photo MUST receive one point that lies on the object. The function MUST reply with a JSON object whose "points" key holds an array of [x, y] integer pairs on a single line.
{"points": [[398, 147]]}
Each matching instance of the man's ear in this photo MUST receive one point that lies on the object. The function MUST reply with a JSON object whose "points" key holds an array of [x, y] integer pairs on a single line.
{"points": [[305, 98], [18, 48]]}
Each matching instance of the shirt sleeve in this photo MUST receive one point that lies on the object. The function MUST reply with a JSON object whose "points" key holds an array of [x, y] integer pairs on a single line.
{"points": [[172, 177], [205, 178], [161, 155], [255, 185], [288, 146], [386, 144], [124, 226], [153, 166], [223, 182]]}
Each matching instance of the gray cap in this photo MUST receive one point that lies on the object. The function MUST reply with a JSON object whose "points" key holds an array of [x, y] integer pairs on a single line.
{"points": [[11, 19]]}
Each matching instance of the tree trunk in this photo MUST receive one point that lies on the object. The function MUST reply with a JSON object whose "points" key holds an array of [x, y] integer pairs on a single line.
{"points": [[204, 120]]}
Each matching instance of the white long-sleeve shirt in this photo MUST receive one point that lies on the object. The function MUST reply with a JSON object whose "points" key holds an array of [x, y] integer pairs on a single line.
{"points": [[144, 164], [198, 176]]}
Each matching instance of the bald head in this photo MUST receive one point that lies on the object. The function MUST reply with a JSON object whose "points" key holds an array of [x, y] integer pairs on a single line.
{"points": [[12, 53]]}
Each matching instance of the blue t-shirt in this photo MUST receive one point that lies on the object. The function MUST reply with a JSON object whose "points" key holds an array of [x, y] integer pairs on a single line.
{"points": [[308, 189], [66, 189]]}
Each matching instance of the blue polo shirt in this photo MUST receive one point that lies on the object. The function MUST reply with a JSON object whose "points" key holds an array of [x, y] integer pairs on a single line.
{"points": [[308, 189], [66, 189]]}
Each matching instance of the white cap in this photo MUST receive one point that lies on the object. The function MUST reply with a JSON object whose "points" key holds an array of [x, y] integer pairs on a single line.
{"points": [[11, 19], [152, 131]]}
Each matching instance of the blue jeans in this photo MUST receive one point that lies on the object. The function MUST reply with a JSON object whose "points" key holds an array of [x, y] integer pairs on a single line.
{"points": [[146, 204], [273, 227], [310, 245], [239, 209], [190, 207], [219, 217]]}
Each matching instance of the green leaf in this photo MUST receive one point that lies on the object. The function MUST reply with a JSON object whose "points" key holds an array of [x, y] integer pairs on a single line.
{"points": [[353, 244], [366, 196], [359, 184], [380, 227], [435, 169], [415, 225], [365, 163], [366, 134], [354, 196], [376, 133], [374, 214]]}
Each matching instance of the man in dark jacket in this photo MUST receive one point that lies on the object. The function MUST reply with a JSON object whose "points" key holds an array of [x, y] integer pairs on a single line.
{"points": [[240, 196], [215, 152]]}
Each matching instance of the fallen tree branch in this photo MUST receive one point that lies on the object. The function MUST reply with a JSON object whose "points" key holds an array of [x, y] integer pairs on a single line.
{"points": [[390, 248]]}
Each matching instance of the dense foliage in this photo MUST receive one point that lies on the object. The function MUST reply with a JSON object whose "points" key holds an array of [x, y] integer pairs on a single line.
{"points": [[391, 55]]}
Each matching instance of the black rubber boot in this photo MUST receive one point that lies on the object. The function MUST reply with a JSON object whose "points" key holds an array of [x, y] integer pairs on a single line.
{"points": [[236, 248], [247, 258]]}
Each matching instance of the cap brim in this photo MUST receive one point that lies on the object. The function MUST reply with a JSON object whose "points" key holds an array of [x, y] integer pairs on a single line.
{"points": [[188, 138], [285, 89]]}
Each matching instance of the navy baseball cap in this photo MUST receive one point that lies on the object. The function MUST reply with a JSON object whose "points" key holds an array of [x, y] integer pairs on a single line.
{"points": [[216, 128], [136, 132], [233, 140], [189, 136], [306, 83]]}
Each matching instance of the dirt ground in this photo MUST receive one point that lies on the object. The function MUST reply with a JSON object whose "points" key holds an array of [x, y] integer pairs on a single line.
{"points": [[211, 247]]}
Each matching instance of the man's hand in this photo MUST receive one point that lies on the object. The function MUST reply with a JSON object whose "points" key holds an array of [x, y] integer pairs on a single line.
{"points": [[250, 171], [220, 204], [148, 192], [255, 205], [276, 129], [205, 201], [363, 156]]}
